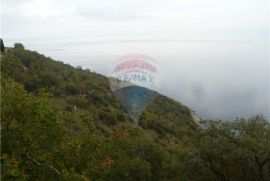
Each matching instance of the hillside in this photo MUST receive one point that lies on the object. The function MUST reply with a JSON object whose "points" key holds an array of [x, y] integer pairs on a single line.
{"points": [[89, 91], [64, 123]]}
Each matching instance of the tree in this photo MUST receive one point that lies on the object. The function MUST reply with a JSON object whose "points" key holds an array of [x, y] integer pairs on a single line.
{"points": [[18, 46], [238, 150], [2, 45], [72, 89], [29, 134]]}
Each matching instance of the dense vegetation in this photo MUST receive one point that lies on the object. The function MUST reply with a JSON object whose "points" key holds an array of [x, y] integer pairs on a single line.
{"points": [[64, 123]]}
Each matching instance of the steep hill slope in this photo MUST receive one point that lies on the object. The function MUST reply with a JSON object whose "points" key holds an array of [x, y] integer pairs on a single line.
{"points": [[86, 132], [77, 90]]}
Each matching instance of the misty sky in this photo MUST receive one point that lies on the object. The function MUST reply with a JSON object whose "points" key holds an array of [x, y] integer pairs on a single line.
{"points": [[214, 53]]}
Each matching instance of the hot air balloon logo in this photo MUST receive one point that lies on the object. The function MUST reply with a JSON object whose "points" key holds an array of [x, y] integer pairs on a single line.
{"points": [[134, 80]]}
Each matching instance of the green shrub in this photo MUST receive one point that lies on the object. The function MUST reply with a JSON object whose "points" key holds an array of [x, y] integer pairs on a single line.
{"points": [[120, 116], [78, 101], [72, 89], [107, 118]]}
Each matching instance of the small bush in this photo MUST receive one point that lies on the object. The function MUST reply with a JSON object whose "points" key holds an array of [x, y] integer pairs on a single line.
{"points": [[120, 117], [72, 89], [78, 101], [107, 118]]}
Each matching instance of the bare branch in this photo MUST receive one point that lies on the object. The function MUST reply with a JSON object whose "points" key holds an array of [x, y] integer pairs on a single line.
{"points": [[38, 163]]}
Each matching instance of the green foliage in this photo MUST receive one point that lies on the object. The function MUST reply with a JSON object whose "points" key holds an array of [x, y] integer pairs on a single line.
{"points": [[63, 123], [237, 150], [2, 45], [29, 130], [72, 89], [120, 116], [130, 169], [107, 118], [78, 101], [18, 46]]}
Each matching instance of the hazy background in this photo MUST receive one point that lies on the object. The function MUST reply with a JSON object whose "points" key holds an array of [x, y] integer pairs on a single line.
{"points": [[214, 53]]}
